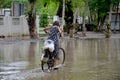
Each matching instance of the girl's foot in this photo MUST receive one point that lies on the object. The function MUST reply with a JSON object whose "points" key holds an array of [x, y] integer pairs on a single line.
{"points": [[55, 67]]}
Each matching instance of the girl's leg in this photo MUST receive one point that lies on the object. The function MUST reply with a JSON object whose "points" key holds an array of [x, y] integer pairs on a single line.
{"points": [[56, 54], [56, 50]]}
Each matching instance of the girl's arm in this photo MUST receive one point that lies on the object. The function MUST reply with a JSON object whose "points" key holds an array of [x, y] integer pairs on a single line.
{"points": [[46, 29], [60, 31]]}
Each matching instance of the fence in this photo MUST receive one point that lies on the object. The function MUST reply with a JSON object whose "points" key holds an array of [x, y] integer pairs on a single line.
{"points": [[13, 26]]}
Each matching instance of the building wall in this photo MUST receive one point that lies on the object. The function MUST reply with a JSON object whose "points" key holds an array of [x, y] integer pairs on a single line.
{"points": [[13, 26]]}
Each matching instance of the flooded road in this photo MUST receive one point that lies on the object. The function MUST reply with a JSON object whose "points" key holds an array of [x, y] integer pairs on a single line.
{"points": [[86, 59]]}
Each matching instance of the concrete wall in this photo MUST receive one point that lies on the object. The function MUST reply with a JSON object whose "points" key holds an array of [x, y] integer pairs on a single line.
{"points": [[13, 26]]}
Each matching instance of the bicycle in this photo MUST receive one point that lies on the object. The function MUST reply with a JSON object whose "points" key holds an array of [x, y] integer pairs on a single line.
{"points": [[48, 58]]}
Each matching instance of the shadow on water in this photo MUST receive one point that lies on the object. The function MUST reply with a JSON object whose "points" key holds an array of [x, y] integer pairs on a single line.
{"points": [[86, 59]]}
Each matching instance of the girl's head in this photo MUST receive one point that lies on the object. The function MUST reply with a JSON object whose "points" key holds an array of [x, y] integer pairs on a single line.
{"points": [[56, 23]]}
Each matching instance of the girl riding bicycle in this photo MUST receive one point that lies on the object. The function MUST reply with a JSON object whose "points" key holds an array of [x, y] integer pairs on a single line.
{"points": [[54, 32]]}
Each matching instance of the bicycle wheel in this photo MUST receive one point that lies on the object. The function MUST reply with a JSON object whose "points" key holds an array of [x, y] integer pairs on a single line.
{"points": [[44, 66], [44, 60], [61, 56]]}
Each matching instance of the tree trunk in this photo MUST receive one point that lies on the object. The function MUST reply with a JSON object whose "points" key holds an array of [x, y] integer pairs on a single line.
{"points": [[84, 14], [31, 22], [69, 15], [75, 15], [72, 30], [110, 14], [63, 14]]}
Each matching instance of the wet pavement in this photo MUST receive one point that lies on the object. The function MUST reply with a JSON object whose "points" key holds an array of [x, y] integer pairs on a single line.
{"points": [[91, 58]]}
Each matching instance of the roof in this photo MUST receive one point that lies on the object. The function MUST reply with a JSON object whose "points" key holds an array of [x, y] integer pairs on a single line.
{"points": [[114, 12]]}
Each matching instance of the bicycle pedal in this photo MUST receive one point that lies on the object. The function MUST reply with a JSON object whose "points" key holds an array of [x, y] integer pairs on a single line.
{"points": [[56, 68]]}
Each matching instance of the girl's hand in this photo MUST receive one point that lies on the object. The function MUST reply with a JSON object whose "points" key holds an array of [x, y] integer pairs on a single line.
{"points": [[61, 34]]}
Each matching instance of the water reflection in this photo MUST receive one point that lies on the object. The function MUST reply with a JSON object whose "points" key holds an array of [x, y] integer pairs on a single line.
{"points": [[33, 50], [86, 59], [18, 56], [95, 59]]}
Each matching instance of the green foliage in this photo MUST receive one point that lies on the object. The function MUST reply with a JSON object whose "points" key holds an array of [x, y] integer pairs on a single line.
{"points": [[107, 32], [96, 29], [5, 4], [69, 12], [43, 20], [32, 1], [108, 24], [18, 0], [78, 3], [76, 27], [64, 28], [101, 7], [47, 6]]}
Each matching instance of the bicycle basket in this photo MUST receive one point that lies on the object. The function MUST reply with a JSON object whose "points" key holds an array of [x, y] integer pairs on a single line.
{"points": [[49, 44]]}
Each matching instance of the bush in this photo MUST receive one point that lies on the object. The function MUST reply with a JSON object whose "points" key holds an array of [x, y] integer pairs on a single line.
{"points": [[43, 20], [65, 28]]}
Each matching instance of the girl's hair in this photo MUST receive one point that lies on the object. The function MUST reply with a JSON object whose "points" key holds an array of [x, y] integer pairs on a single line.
{"points": [[56, 23]]}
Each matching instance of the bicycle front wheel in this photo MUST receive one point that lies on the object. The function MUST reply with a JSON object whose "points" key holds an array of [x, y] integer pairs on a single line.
{"points": [[61, 56]]}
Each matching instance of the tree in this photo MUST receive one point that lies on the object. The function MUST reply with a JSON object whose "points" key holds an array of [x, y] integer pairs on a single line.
{"points": [[31, 18], [99, 10], [81, 8], [5, 4], [84, 14], [43, 20], [47, 6], [63, 13]]}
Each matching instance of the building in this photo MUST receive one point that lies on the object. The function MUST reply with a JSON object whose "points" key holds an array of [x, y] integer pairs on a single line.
{"points": [[115, 20], [5, 12], [18, 9]]}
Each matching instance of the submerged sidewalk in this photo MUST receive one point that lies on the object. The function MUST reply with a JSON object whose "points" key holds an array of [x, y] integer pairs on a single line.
{"points": [[94, 35], [77, 35]]}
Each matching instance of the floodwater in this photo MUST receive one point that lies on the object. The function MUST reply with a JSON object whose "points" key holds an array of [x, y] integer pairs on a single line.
{"points": [[86, 59]]}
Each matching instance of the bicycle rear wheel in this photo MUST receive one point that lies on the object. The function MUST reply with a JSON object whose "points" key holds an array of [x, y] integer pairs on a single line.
{"points": [[44, 66], [61, 55]]}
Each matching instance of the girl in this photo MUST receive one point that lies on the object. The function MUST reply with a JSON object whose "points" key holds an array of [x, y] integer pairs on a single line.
{"points": [[54, 34]]}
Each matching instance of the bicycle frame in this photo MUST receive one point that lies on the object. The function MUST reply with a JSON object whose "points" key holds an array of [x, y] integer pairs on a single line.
{"points": [[48, 57]]}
